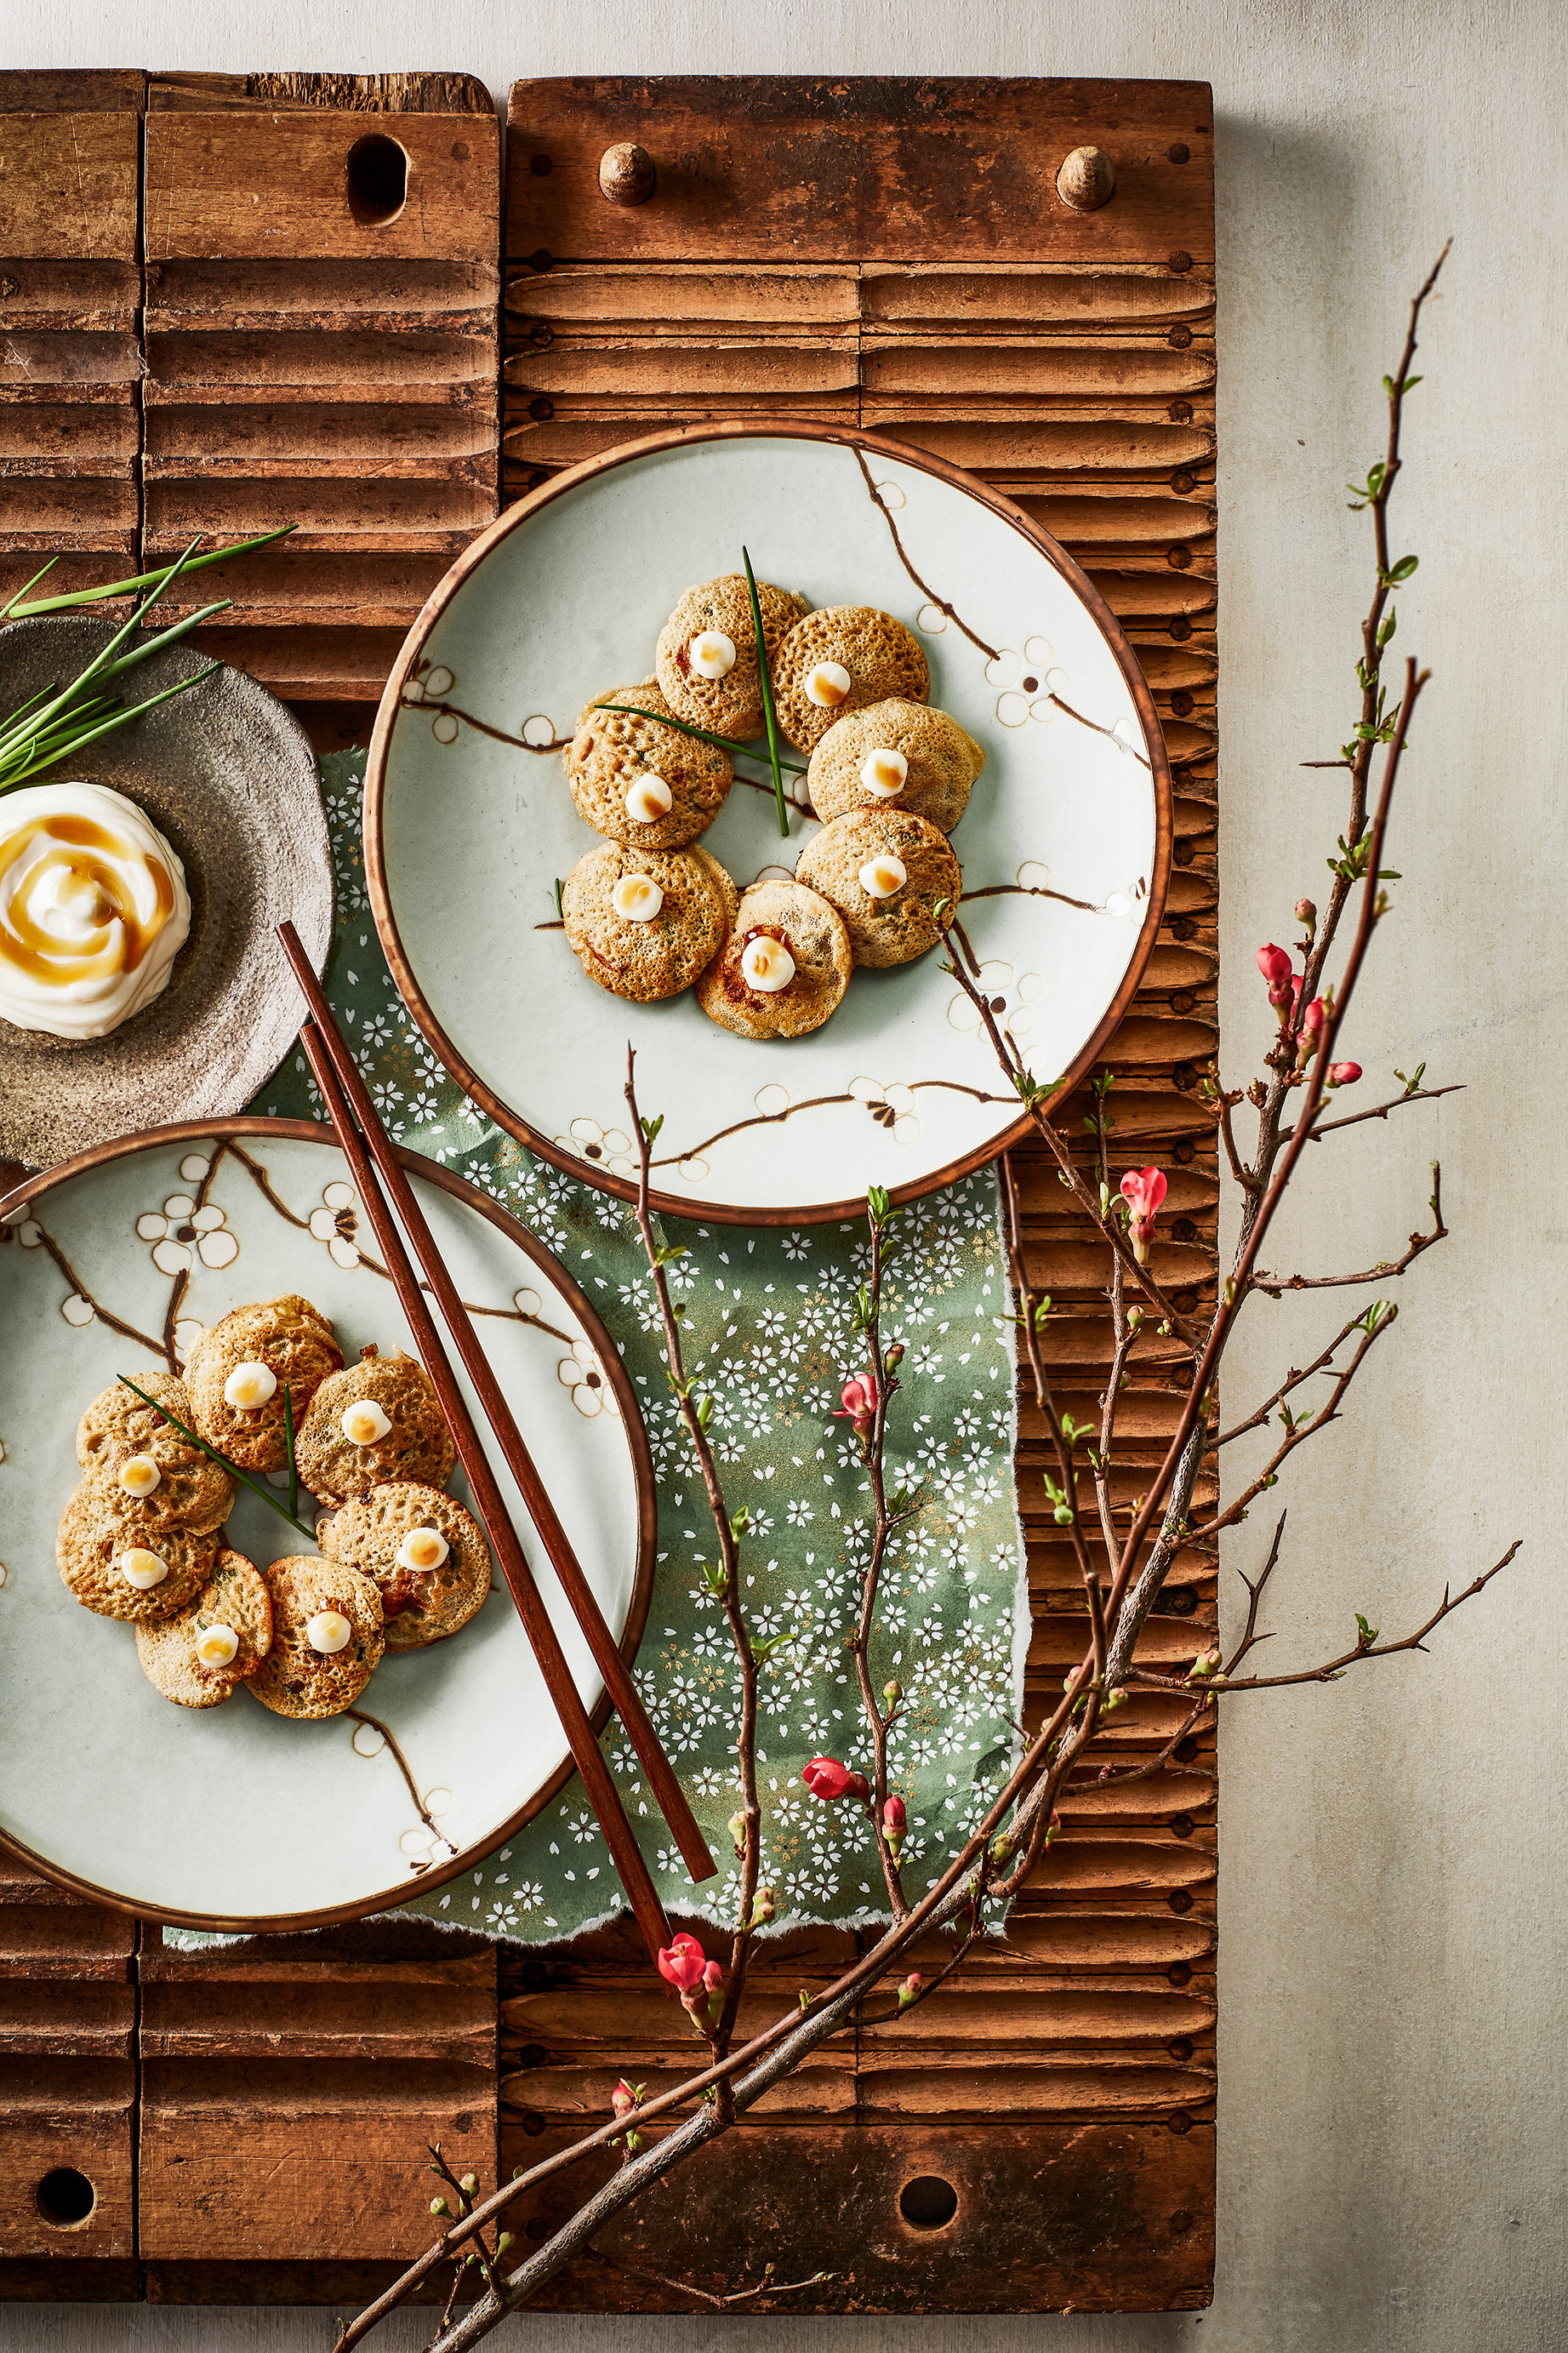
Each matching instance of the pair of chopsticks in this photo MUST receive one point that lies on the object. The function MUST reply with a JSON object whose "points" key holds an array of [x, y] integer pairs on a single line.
{"points": [[374, 1165]]}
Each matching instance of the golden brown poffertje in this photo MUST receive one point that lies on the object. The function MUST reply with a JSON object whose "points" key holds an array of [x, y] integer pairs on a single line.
{"points": [[886, 871], [378, 1419], [895, 755], [327, 1637], [838, 661], [707, 653], [426, 1553], [240, 1367], [642, 923], [198, 1657], [637, 781], [118, 1564], [785, 967]]}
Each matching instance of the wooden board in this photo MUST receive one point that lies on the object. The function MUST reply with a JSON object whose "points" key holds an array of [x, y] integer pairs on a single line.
{"points": [[885, 252], [310, 360], [70, 301], [895, 254]]}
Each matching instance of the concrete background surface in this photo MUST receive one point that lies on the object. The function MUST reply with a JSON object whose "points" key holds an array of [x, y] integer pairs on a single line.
{"points": [[1392, 2167]]}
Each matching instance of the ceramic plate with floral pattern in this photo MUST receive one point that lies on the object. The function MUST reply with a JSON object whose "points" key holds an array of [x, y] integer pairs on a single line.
{"points": [[1065, 844], [230, 1816]]}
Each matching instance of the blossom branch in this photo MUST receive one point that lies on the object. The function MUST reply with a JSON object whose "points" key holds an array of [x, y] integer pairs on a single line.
{"points": [[1387, 1267], [1379, 1318]]}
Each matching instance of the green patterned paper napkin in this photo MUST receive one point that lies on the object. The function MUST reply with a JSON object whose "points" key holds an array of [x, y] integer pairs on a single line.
{"points": [[771, 1337]]}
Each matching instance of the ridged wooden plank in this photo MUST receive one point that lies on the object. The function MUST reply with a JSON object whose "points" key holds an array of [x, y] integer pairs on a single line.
{"points": [[1077, 375], [67, 2089], [287, 2101], [296, 339], [70, 294]]}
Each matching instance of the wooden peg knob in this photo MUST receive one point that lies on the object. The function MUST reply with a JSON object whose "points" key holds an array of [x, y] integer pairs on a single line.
{"points": [[1086, 180], [626, 176]]}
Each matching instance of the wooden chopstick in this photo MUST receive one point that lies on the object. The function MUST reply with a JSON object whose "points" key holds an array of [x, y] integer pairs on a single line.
{"points": [[667, 1793], [491, 1509]]}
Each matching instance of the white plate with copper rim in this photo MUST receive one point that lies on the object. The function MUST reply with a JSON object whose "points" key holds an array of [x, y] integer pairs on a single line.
{"points": [[1065, 845], [231, 1817]]}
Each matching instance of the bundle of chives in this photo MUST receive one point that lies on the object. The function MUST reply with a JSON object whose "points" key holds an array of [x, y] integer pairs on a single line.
{"points": [[52, 726]]}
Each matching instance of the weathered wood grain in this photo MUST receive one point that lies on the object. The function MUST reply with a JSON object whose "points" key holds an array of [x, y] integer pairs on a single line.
{"points": [[285, 2104], [1096, 2217], [70, 294], [308, 364], [67, 2088], [753, 169]]}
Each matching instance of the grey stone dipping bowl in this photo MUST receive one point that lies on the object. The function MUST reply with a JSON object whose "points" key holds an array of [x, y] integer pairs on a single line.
{"points": [[227, 776]]}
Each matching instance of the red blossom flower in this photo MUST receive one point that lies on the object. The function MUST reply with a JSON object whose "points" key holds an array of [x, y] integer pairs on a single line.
{"points": [[859, 1394], [1342, 1074], [1143, 1189], [683, 1964], [825, 1777], [895, 1821], [1312, 1016]]}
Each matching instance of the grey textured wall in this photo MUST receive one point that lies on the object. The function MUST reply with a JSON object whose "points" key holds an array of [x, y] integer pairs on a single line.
{"points": [[1391, 2167]]}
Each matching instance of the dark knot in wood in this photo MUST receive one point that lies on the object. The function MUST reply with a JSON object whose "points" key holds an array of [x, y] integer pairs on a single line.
{"points": [[1086, 180], [626, 176]]}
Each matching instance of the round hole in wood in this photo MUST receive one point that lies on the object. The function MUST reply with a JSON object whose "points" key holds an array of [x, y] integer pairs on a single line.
{"points": [[64, 2197], [928, 2202], [378, 180]]}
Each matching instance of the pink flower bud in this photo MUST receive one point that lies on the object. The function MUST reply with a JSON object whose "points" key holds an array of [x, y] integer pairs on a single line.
{"points": [[1142, 1190], [623, 2100], [1312, 1016], [714, 1978], [683, 1964], [1342, 1074], [895, 1821], [825, 1777], [1306, 912], [910, 1987], [1274, 964]]}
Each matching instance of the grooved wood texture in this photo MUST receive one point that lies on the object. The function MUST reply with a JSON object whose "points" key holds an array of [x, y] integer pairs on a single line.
{"points": [[894, 255], [889, 253], [286, 2104], [68, 2092], [309, 363], [71, 299]]}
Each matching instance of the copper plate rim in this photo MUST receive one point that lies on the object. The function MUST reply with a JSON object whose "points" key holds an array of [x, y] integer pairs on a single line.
{"points": [[626, 452], [310, 1132]]}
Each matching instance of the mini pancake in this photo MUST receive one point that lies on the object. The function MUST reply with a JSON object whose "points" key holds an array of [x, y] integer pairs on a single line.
{"points": [[899, 926], [420, 1605], [118, 1418], [98, 1527], [876, 655], [615, 754], [645, 960], [730, 704], [417, 1445], [941, 761], [294, 1341], [191, 1491], [296, 1679], [801, 920], [235, 1595]]}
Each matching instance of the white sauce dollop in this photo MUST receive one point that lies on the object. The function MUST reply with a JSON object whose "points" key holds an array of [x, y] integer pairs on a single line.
{"points": [[93, 909]]}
